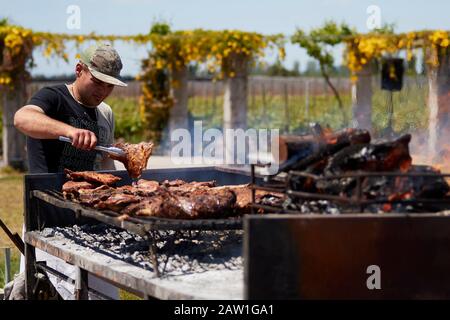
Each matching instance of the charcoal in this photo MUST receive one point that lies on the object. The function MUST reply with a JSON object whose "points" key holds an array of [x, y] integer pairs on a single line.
{"points": [[178, 252], [311, 206]]}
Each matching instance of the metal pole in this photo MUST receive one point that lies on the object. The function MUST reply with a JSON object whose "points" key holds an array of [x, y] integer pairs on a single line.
{"points": [[81, 284], [7, 265], [306, 100]]}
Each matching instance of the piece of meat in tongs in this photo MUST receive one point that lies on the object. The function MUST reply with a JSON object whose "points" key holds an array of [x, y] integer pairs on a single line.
{"points": [[135, 158]]}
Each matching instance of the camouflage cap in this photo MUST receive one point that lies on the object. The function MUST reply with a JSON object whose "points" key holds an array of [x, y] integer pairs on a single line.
{"points": [[104, 63]]}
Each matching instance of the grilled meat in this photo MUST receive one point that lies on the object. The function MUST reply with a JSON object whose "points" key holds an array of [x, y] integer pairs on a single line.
{"points": [[135, 158], [199, 204], [187, 187], [90, 197], [244, 197], [117, 201], [74, 186], [92, 176], [175, 199]]}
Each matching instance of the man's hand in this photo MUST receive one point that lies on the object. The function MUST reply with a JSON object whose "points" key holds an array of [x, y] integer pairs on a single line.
{"points": [[82, 139]]}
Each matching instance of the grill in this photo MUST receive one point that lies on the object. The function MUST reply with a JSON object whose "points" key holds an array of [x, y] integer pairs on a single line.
{"points": [[286, 254], [45, 207], [355, 204], [357, 254]]}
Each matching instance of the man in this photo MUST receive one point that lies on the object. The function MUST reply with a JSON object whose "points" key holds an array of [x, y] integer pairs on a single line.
{"points": [[76, 111]]}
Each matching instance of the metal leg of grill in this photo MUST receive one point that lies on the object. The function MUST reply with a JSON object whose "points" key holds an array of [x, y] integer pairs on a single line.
{"points": [[30, 271], [81, 284], [153, 252]]}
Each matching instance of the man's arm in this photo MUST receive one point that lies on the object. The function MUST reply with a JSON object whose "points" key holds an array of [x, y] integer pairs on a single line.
{"points": [[32, 121]]}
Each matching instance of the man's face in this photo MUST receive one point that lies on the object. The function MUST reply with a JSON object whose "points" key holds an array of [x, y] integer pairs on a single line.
{"points": [[91, 91]]}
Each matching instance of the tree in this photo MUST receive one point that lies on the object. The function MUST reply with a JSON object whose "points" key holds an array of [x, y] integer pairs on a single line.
{"points": [[318, 43]]}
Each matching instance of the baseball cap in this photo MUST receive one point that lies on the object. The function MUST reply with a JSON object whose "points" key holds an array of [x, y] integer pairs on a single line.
{"points": [[104, 63]]}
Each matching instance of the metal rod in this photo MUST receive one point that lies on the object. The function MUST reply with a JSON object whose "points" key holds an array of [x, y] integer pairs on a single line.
{"points": [[154, 253], [317, 196], [7, 265], [43, 267], [359, 190], [371, 174], [263, 188], [81, 284], [252, 187], [15, 238]]}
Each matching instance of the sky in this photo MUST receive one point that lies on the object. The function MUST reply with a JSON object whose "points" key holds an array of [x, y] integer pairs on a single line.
{"points": [[122, 17]]}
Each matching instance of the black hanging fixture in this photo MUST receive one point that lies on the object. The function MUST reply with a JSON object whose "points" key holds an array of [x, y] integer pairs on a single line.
{"points": [[392, 70]]}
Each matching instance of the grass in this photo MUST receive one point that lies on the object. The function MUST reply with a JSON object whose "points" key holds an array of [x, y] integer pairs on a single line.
{"points": [[11, 213]]}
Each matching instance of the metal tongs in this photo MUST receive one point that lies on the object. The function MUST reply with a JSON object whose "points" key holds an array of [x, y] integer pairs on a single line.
{"points": [[112, 150]]}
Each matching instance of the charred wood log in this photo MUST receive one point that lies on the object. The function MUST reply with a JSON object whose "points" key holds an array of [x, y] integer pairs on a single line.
{"points": [[383, 156], [317, 162]]}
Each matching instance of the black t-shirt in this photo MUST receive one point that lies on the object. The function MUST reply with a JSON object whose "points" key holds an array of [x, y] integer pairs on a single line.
{"points": [[50, 155]]}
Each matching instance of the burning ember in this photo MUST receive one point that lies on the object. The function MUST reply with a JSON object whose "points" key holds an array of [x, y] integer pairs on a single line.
{"points": [[377, 175]]}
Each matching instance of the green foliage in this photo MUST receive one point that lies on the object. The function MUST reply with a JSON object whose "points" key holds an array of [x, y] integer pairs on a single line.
{"points": [[128, 124], [160, 28], [387, 28], [318, 42]]}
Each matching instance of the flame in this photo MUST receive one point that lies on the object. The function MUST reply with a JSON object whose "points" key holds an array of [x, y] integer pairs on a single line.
{"points": [[441, 163], [387, 207], [329, 136], [405, 165], [401, 196]]}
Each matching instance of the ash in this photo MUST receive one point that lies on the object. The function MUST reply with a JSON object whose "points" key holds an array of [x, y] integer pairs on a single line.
{"points": [[178, 252]]}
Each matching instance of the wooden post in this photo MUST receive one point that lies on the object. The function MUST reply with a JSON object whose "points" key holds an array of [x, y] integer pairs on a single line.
{"points": [[264, 102], [286, 107], [306, 100], [7, 252], [179, 111], [14, 141], [362, 99], [235, 96], [432, 103], [439, 104]]}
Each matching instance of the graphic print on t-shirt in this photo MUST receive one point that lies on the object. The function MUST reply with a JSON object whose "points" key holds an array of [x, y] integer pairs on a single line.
{"points": [[77, 159]]}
